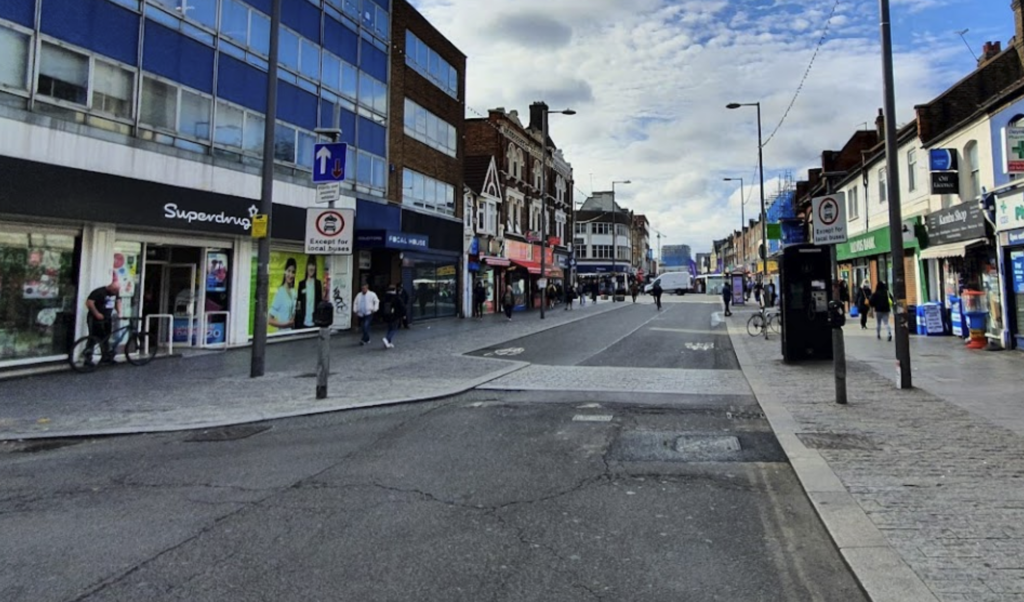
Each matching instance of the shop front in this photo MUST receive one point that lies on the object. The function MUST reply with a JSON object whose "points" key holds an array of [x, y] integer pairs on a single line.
{"points": [[867, 258], [182, 257], [524, 273], [1010, 227]]}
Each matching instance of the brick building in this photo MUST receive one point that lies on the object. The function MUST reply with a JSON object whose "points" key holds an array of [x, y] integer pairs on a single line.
{"points": [[418, 237]]}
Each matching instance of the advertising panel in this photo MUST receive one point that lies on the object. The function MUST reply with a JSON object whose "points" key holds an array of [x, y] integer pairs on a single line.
{"points": [[295, 280]]}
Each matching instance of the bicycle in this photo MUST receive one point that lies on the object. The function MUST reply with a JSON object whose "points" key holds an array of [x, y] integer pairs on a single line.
{"points": [[763, 319], [139, 347]]}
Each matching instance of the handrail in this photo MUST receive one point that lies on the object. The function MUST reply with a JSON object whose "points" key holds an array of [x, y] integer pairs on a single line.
{"points": [[170, 331], [227, 330]]}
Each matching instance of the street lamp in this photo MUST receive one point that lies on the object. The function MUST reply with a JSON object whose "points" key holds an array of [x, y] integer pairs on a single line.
{"points": [[743, 220], [543, 202], [615, 237], [763, 250]]}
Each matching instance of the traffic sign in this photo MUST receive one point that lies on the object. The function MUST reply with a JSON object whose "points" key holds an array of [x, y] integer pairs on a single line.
{"points": [[328, 193], [329, 231], [829, 219], [329, 162]]}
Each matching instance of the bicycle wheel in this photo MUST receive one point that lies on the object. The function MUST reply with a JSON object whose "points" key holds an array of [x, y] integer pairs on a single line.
{"points": [[755, 325], [775, 323], [85, 354], [140, 348]]}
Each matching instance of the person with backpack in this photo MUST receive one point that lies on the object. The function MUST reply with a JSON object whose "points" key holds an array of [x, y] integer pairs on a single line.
{"points": [[882, 304], [727, 298], [656, 293], [392, 310]]}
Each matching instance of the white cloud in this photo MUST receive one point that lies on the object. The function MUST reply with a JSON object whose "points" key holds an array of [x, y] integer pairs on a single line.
{"points": [[650, 80]]}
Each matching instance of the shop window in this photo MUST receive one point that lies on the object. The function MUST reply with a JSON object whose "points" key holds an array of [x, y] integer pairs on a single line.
{"points": [[434, 292], [37, 315], [14, 68]]}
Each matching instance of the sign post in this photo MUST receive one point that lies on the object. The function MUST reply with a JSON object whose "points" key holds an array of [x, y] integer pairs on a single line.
{"points": [[830, 230]]}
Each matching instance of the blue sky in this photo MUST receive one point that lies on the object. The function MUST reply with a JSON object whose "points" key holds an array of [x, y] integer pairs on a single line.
{"points": [[650, 80]]}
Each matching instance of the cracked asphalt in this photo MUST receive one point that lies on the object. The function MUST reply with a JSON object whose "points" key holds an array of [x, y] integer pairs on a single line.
{"points": [[490, 495]]}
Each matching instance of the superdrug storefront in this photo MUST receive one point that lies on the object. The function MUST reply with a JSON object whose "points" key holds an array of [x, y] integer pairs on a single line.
{"points": [[182, 254]]}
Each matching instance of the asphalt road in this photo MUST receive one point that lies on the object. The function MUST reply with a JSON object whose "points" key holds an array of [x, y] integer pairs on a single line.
{"points": [[492, 495]]}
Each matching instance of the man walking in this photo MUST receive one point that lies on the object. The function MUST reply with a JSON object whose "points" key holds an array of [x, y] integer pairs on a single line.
{"points": [[479, 297], [404, 296], [863, 301], [634, 290], [656, 293], [882, 305], [102, 303], [508, 301], [364, 306], [392, 311], [727, 298]]}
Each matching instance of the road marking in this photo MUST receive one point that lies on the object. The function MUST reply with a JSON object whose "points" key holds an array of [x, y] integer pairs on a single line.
{"points": [[700, 346], [506, 352], [592, 418], [684, 330], [588, 406]]}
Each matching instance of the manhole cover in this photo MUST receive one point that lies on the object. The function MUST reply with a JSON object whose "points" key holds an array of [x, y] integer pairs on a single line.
{"points": [[228, 433], [666, 446], [707, 444], [836, 441]]}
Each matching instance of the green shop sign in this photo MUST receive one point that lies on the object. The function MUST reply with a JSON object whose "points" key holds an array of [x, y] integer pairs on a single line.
{"points": [[876, 242]]}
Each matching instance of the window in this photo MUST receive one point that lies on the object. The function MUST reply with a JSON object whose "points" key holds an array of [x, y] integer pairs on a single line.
{"points": [[373, 94], [883, 190], [581, 228], [169, 107], [853, 202], [427, 193], [912, 170], [239, 129], [581, 251], [973, 184], [201, 11], [298, 54], [601, 228], [429, 129], [601, 251], [486, 216], [14, 66], [112, 90], [535, 217], [248, 27], [429, 64], [63, 75], [560, 188], [536, 175], [560, 220]]}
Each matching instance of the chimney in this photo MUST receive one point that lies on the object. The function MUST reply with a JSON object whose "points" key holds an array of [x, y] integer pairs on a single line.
{"points": [[880, 125], [1018, 18], [989, 51], [537, 114]]}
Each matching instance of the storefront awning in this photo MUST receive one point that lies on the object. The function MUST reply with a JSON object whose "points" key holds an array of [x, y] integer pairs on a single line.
{"points": [[495, 261], [531, 266], [953, 249]]}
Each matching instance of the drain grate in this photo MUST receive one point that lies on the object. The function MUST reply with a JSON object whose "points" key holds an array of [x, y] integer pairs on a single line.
{"points": [[837, 441], [227, 433]]}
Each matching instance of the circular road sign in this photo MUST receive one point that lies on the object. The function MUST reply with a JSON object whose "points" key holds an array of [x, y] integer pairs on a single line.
{"points": [[330, 224], [829, 211]]}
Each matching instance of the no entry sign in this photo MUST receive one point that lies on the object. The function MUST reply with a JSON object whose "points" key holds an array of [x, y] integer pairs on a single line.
{"points": [[829, 219], [329, 231]]}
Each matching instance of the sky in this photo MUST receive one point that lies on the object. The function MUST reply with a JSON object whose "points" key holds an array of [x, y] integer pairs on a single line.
{"points": [[650, 79]]}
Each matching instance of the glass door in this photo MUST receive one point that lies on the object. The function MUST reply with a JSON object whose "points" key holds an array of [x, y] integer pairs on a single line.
{"points": [[180, 294]]}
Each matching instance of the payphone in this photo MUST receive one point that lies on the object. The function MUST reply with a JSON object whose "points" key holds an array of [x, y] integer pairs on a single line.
{"points": [[806, 286]]}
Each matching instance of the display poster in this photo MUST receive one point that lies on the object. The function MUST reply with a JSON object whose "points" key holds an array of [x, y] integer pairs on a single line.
{"points": [[288, 271], [1018, 272], [216, 272], [42, 274], [340, 285], [933, 318]]}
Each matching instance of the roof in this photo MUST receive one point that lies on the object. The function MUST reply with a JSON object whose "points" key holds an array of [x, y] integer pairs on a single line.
{"points": [[475, 172]]}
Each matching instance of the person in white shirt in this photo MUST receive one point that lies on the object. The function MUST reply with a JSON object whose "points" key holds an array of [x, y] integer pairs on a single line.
{"points": [[364, 306]]}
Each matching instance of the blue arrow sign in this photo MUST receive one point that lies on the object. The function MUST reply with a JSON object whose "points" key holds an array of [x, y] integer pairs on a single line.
{"points": [[329, 162]]}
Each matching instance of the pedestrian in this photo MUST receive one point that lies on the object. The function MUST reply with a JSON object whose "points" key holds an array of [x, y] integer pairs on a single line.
{"points": [[479, 298], [771, 294], [759, 292], [634, 290], [570, 296], [844, 295], [882, 305], [392, 310], [364, 306], [102, 303], [404, 296], [863, 301], [551, 294], [727, 298], [593, 293], [508, 300], [581, 292], [656, 293]]}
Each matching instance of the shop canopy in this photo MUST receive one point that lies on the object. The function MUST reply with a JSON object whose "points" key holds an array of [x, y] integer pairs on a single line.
{"points": [[533, 267], [495, 261], [953, 249]]}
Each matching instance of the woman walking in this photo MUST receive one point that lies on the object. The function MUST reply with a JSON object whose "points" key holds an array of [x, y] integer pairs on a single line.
{"points": [[863, 302], [881, 304], [508, 300]]}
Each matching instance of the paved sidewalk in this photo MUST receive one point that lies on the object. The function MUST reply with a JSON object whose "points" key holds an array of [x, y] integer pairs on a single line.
{"points": [[214, 389], [922, 490]]}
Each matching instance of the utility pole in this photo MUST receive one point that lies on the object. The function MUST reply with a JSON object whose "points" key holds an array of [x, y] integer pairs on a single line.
{"points": [[899, 289], [258, 362]]}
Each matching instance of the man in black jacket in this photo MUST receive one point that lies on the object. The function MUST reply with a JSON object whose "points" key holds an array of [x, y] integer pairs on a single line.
{"points": [[404, 296], [392, 310]]}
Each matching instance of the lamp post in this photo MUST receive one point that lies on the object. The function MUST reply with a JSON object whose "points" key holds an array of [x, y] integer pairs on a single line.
{"points": [[615, 238], [743, 219], [544, 204], [763, 249]]}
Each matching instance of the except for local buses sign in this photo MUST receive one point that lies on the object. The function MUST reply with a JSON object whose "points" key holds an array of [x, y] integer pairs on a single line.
{"points": [[329, 231], [829, 219]]}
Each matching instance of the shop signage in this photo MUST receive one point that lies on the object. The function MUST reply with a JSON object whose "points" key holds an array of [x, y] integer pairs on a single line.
{"points": [[829, 219], [962, 222], [1010, 211], [876, 242], [945, 182], [244, 221], [392, 240], [329, 231], [942, 159], [1013, 147]]}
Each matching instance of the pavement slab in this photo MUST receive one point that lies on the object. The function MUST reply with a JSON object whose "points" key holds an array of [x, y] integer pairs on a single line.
{"points": [[922, 490]]}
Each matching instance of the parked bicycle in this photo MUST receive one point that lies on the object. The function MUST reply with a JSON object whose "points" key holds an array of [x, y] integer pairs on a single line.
{"points": [[763, 319], [138, 346]]}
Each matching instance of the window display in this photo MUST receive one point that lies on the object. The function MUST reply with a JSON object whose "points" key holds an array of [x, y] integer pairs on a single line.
{"points": [[434, 289], [37, 294]]}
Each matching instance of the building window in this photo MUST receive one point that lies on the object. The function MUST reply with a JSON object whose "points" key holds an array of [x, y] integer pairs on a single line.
{"points": [[973, 189], [239, 129], [581, 250], [912, 170], [430, 65], [427, 193], [342, 77], [601, 228], [601, 251], [854, 203], [174, 109], [581, 228], [200, 11], [373, 94], [112, 90], [514, 214], [536, 176], [63, 75], [430, 129], [14, 67], [560, 188], [246, 26], [293, 145], [298, 54], [883, 190]]}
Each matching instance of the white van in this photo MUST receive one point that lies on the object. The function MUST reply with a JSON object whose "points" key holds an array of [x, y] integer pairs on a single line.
{"points": [[677, 282]]}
